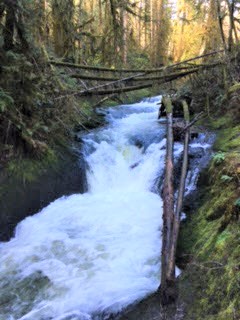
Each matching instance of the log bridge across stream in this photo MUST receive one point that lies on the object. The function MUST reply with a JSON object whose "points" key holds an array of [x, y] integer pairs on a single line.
{"points": [[116, 81]]}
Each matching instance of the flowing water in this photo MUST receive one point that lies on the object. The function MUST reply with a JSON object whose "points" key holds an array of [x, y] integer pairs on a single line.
{"points": [[90, 255]]}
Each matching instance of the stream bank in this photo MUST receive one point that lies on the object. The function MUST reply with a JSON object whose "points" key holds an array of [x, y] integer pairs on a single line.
{"points": [[209, 244], [28, 185]]}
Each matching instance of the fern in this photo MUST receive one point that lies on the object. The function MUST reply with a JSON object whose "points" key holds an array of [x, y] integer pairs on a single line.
{"points": [[226, 178], [237, 203], [219, 157]]}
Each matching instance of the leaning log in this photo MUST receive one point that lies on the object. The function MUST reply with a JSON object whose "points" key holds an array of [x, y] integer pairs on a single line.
{"points": [[165, 79], [181, 190], [114, 90], [103, 100], [168, 210], [95, 92]]}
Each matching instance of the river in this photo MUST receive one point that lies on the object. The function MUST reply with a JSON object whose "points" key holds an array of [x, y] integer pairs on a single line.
{"points": [[90, 255]]}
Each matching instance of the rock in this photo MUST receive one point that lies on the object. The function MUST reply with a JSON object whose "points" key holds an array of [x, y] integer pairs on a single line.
{"points": [[19, 199], [196, 152]]}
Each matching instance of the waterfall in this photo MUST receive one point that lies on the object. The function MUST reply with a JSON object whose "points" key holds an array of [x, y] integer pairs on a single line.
{"points": [[90, 255]]}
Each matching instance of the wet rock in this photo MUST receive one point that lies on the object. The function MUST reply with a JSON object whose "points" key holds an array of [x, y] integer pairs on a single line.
{"points": [[196, 152], [19, 199], [150, 309], [179, 133], [177, 106]]}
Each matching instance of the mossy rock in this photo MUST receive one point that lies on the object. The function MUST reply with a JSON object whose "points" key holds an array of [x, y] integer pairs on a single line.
{"points": [[209, 238], [27, 185]]}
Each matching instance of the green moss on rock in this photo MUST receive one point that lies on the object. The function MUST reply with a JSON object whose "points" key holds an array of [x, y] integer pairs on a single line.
{"points": [[29, 169], [210, 240]]}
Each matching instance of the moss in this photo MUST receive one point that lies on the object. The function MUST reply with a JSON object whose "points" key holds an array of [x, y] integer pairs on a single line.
{"points": [[234, 88], [220, 122], [134, 96], [228, 139], [28, 169], [211, 238]]}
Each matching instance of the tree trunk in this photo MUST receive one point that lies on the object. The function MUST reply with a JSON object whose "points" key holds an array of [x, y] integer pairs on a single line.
{"points": [[124, 20], [63, 28], [231, 7], [42, 21], [212, 28], [220, 21], [115, 24]]}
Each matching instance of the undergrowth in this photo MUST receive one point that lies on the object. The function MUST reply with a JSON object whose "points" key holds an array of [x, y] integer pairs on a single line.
{"points": [[209, 243], [210, 237]]}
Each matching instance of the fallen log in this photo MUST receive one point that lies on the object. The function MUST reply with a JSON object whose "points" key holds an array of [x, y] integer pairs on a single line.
{"points": [[136, 78], [94, 90], [171, 218], [167, 280], [114, 90], [181, 190], [90, 92], [111, 83], [102, 101], [93, 78], [196, 118], [79, 66]]}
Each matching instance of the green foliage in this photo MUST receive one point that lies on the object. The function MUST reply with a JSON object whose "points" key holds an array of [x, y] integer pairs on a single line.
{"points": [[70, 82], [234, 88], [237, 203], [218, 158], [138, 60], [134, 96], [5, 101], [228, 139], [226, 178], [28, 169], [30, 118], [211, 237]]}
